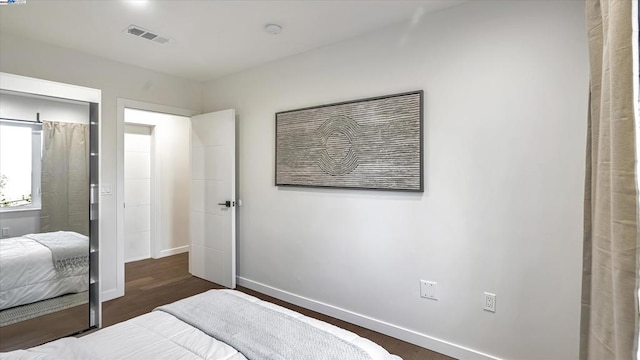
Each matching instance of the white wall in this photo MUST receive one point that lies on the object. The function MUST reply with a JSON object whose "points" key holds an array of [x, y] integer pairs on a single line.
{"points": [[20, 222], [36, 59], [505, 123], [24, 107], [171, 179]]}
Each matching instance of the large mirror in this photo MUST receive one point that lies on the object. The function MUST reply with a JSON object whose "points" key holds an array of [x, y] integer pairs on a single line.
{"points": [[46, 167]]}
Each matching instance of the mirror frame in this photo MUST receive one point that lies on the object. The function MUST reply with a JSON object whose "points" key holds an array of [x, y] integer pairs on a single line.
{"points": [[28, 85]]}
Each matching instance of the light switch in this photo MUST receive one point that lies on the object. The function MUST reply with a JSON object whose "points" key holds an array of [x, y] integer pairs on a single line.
{"points": [[105, 189]]}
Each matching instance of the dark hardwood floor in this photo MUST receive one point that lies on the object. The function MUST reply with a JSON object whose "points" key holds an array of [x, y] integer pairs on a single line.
{"points": [[44, 328], [151, 283]]}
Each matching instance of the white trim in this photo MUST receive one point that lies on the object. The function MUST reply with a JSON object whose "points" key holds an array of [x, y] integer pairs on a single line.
{"points": [[126, 261], [110, 295], [156, 198], [139, 105], [234, 209], [174, 251], [49, 88], [21, 208], [398, 332], [36, 166]]}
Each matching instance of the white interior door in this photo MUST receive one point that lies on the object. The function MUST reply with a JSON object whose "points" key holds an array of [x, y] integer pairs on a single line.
{"points": [[137, 190], [212, 254]]}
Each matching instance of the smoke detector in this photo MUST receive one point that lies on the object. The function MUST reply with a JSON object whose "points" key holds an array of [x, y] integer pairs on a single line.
{"points": [[273, 29], [146, 34]]}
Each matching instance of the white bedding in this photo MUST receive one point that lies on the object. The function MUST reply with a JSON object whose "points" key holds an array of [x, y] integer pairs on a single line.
{"points": [[27, 274], [159, 335]]}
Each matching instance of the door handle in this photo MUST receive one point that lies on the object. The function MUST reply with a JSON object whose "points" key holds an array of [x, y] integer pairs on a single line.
{"points": [[228, 203]]}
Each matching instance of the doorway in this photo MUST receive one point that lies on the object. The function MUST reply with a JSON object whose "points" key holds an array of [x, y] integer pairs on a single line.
{"points": [[171, 147], [138, 234], [170, 204], [156, 183]]}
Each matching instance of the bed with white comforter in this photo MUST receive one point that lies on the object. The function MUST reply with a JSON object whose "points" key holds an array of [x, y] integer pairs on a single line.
{"points": [[28, 272], [245, 328]]}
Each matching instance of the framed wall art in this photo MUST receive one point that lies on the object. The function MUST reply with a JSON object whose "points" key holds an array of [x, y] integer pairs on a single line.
{"points": [[373, 143]]}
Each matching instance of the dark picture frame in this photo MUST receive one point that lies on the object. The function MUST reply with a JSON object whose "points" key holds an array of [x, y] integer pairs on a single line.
{"points": [[374, 143]]}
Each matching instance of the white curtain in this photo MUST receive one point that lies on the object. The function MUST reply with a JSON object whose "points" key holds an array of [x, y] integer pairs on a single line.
{"points": [[65, 177]]}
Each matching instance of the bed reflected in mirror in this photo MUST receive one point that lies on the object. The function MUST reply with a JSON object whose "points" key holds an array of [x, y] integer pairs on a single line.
{"points": [[44, 216]]}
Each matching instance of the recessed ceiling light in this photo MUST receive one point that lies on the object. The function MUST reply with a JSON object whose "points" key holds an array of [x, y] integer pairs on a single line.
{"points": [[138, 3], [273, 29]]}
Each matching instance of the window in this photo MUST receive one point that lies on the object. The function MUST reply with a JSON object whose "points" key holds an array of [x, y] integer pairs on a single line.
{"points": [[20, 156]]}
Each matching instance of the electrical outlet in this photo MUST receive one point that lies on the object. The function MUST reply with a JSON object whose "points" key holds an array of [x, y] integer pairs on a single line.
{"points": [[489, 302], [5, 232], [429, 289]]}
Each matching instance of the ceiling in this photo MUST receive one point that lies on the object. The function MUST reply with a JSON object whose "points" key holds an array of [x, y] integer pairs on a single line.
{"points": [[209, 39]]}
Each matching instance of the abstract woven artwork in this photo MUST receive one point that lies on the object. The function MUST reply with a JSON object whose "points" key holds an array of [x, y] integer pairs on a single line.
{"points": [[373, 143]]}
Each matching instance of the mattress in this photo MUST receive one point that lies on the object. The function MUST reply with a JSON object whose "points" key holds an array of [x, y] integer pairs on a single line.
{"points": [[160, 335], [28, 274]]}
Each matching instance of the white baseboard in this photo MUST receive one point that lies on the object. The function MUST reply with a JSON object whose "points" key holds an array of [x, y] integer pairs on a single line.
{"points": [[110, 294], [398, 332], [174, 251], [136, 258]]}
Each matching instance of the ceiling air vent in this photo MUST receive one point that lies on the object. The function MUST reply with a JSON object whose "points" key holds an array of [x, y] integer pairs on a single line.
{"points": [[149, 36], [146, 34], [135, 31], [161, 40]]}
